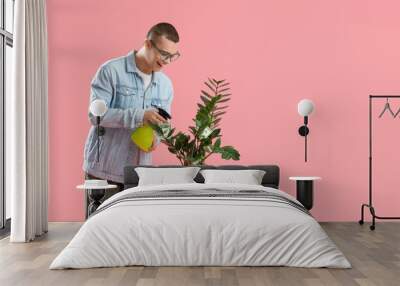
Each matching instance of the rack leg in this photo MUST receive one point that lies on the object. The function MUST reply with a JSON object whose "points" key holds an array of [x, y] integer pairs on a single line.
{"points": [[361, 221], [374, 216], [372, 210]]}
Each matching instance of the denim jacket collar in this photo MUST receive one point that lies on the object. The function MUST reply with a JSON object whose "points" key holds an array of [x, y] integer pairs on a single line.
{"points": [[131, 66]]}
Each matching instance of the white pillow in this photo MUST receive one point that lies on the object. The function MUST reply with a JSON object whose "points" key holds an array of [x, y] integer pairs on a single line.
{"points": [[162, 176], [249, 177]]}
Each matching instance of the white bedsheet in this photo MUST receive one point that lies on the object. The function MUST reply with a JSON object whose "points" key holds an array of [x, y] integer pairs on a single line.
{"points": [[193, 231]]}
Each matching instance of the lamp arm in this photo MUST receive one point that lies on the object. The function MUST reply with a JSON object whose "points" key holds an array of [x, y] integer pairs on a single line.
{"points": [[100, 131], [305, 138], [98, 136], [305, 148]]}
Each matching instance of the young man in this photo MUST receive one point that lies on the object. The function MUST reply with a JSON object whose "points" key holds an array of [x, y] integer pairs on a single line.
{"points": [[131, 86]]}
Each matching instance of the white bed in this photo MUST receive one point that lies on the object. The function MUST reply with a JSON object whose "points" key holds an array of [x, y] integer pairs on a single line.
{"points": [[185, 230]]}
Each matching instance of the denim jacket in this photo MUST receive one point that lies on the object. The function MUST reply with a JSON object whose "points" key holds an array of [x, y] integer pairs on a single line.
{"points": [[119, 84]]}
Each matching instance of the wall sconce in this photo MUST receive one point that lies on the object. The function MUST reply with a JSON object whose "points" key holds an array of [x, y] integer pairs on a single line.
{"points": [[98, 108], [305, 107]]}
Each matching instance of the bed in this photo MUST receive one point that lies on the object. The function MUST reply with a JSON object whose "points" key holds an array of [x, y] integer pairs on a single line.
{"points": [[201, 224]]}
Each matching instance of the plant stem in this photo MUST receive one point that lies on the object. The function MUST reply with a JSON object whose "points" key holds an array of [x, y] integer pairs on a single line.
{"points": [[208, 155]]}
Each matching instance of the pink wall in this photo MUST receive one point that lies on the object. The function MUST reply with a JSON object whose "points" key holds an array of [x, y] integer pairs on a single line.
{"points": [[274, 53]]}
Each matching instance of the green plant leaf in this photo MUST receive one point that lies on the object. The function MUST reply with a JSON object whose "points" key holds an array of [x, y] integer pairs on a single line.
{"points": [[179, 141], [172, 150], [171, 132], [221, 107], [204, 99], [217, 121], [212, 82], [224, 100], [193, 129], [205, 132], [224, 84], [217, 143], [215, 133], [217, 114], [223, 90], [206, 94], [210, 87], [228, 152]]}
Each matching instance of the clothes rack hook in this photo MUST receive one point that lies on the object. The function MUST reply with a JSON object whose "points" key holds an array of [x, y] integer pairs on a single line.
{"points": [[387, 107]]}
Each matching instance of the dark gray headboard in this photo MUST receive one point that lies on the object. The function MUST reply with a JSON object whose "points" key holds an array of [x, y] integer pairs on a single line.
{"points": [[271, 177]]}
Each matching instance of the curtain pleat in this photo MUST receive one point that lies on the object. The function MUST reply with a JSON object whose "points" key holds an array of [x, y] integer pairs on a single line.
{"points": [[30, 168]]}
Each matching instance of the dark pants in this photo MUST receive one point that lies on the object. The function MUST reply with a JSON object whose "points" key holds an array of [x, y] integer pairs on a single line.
{"points": [[109, 192]]}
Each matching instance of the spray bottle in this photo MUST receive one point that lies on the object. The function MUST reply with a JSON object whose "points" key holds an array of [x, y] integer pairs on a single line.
{"points": [[143, 136]]}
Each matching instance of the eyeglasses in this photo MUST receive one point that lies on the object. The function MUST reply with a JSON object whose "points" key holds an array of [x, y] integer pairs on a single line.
{"points": [[165, 56]]}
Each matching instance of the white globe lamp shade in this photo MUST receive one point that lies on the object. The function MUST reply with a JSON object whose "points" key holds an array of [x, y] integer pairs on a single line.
{"points": [[305, 107], [98, 107]]}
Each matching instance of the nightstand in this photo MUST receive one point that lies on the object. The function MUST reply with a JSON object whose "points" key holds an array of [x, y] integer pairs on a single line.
{"points": [[95, 195], [304, 190]]}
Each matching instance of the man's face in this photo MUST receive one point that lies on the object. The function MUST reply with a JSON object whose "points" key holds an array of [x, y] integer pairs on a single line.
{"points": [[159, 51]]}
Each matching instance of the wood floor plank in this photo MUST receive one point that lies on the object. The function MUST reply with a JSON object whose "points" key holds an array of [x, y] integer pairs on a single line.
{"points": [[375, 257]]}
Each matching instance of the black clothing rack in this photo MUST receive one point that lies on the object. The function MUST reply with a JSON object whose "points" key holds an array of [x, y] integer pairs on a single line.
{"points": [[370, 204]]}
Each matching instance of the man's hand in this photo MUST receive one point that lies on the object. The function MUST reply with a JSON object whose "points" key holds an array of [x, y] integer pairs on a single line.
{"points": [[152, 116]]}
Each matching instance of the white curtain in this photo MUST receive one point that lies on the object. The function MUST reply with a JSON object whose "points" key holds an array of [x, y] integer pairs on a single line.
{"points": [[28, 124]]}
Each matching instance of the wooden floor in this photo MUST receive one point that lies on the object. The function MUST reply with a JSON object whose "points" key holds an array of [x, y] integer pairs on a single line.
{"points": [[375, 257]]}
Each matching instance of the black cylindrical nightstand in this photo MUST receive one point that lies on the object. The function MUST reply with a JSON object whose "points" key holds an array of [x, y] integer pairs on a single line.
{"points": [[305, 190]]}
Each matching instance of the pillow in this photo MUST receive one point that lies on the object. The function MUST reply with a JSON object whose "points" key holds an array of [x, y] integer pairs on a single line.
{"points": [[162, 176], [249, 177]]}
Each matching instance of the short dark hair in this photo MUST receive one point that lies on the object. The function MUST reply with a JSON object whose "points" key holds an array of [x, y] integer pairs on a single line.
{"points": [[163, 29]]}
